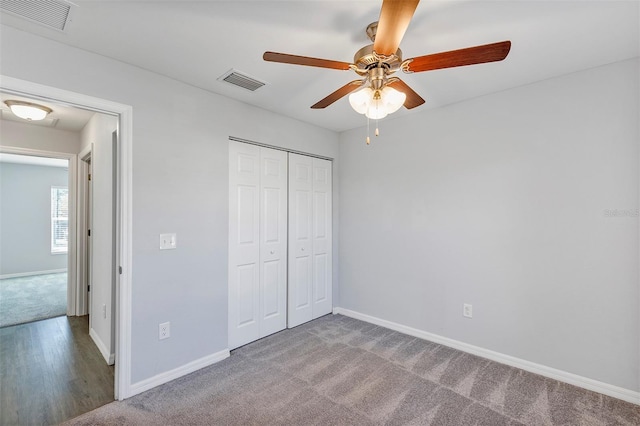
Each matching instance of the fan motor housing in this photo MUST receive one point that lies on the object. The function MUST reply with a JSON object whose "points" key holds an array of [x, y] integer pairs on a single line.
{"points": [[366, 58]]}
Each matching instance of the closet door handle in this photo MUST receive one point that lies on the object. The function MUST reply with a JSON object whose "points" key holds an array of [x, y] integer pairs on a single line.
{"points": [[272, 252]]}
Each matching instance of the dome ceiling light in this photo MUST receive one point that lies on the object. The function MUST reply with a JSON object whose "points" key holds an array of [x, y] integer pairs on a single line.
{"points": [[27, 110]]}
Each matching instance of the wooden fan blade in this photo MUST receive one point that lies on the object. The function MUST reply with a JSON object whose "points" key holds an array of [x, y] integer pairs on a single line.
{"points": [[458, 58], [304, 60], [394, 20], [341, 92], [413, 99]]}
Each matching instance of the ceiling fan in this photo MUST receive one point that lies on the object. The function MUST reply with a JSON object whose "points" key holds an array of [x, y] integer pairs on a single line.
{"points": [[382, 93]]}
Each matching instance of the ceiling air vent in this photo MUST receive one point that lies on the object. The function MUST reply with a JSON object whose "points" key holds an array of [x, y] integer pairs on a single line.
{"points": [[50, 13], [241, 80]]}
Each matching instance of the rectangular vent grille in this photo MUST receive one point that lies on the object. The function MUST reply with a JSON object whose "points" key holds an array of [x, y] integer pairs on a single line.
{"points": [[51, 13], [242, 80]]}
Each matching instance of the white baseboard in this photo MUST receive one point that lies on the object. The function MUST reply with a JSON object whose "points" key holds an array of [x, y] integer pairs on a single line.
{"points": [[167, 376], [108, 357], [28, 274], [543, 370]]}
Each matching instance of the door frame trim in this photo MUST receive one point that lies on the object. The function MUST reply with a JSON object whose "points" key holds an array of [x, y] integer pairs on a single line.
{"points": [[82, 299], [279, 148], [122, 387]]}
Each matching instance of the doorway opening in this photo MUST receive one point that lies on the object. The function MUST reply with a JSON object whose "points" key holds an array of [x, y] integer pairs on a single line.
{"points": [[34, 236], [116, 344]]}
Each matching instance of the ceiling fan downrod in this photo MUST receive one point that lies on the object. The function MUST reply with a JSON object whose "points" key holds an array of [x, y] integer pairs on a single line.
{"points": [[377, 78]]}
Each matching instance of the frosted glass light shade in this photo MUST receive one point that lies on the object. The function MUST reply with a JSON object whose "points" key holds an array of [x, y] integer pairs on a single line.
{"points": [[393, 99], [27, 110], [377, 109], [360, 100], [389, 101]]}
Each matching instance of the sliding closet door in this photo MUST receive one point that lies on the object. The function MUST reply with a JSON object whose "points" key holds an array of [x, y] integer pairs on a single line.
{"points": [[300, 239], [321, 296], [257, 242], [309, 238], [273, 241], [244, 243]]}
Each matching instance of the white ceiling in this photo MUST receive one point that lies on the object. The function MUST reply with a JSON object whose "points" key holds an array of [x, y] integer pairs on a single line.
{"points": [[198, 41]]}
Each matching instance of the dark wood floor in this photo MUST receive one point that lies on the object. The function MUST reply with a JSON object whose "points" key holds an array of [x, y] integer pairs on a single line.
{"points": [[51, 371]]}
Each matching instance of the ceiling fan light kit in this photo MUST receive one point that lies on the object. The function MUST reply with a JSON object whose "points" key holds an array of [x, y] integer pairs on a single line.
{"points": [[377, 104], [27, 110], [380, 93]]}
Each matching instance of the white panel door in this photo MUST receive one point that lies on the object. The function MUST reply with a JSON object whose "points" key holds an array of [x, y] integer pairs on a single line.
{"points": [[300, 239], [257, 242], [273, 241], [244, 243], [321, 217], [310, 269]]}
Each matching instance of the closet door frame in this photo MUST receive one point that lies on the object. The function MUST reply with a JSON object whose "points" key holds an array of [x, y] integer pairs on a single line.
{"points": [[318, 280]]}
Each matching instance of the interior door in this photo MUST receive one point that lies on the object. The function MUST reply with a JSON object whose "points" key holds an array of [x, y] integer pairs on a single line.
{"points": [[257, 242], [273, 241], [244, 243], [300, 239], [321, 218]]}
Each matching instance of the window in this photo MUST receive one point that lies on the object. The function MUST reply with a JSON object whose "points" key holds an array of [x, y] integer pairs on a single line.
{"points": [[59, 219]]}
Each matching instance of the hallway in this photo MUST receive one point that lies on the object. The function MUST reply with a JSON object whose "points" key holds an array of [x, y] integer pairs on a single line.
{"points": [[51, 371]]}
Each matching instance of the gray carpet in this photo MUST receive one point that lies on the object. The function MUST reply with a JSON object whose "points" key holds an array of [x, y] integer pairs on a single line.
{"points": [[26, 299], [341, 371]]}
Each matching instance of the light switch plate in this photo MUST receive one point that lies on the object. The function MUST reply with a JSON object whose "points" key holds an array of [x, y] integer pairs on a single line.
{"points": [[168, 241]]}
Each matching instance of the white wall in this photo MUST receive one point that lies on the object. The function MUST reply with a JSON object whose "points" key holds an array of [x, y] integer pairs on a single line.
{"points": [[501, 202], [25, 218], [26, 136], [19, 135], [180, 184], [98, 134]]}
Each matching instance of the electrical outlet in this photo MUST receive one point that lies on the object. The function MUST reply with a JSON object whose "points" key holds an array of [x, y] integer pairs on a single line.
{"points": [[164, 330], [104, 311], [467, 310]]}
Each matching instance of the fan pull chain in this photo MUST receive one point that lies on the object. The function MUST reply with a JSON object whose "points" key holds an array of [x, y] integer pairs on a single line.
{"points": [[377, 131], [368, 138]]}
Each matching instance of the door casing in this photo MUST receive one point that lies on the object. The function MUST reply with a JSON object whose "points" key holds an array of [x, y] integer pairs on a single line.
{"points": [[123, 386]]}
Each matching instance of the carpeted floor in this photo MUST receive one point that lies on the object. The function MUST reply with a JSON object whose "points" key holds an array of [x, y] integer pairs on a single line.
{"points": [[32, 298], [341, 371]]}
